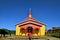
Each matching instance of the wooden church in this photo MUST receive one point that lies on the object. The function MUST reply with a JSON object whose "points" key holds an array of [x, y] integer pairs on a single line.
{"points": [[30, 27]]}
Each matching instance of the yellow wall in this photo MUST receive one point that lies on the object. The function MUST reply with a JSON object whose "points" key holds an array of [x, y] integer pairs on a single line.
{"points": [[42, 30], [17, 30]]}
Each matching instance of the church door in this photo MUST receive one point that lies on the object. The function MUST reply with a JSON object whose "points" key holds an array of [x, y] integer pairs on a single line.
{"points": [[29, 31]]}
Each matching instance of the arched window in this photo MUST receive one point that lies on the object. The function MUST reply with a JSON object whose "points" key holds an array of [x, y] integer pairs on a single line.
{"points": [[36, 31], [22, 30]]}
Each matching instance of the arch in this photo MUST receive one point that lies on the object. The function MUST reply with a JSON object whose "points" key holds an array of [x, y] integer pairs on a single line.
{"points": [[30, 31]]}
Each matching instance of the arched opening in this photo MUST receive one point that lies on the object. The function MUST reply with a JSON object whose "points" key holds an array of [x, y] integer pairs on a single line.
{"points": [[36, 30], [30, 29], [22, 30]]}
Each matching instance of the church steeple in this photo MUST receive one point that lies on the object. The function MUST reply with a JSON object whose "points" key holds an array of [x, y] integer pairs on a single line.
{"points": [[30, 13]]}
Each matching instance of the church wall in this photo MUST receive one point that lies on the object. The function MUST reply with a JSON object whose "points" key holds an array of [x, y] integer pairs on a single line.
{"points": [[17, 30], [25, 33], [42, 30]]}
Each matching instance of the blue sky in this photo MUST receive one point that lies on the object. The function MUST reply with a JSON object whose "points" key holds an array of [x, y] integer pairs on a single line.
{"points": [[15, 11]]}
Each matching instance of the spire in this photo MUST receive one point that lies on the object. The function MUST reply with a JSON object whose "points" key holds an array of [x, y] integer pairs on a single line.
{"points": [[29, 13]]}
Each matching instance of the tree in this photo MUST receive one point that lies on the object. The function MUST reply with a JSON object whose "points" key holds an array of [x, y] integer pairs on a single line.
{"points": [[3, 32], [6, 31]]}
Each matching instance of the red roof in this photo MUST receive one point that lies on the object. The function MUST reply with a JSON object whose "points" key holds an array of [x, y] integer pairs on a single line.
{"points": [[30, 19], [35, 27]]}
